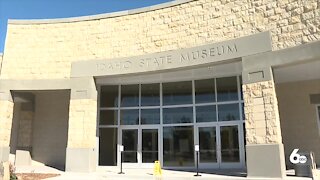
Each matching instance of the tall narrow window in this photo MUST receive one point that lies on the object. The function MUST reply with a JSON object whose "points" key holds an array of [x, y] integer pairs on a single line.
{"points": [[108, 146]]}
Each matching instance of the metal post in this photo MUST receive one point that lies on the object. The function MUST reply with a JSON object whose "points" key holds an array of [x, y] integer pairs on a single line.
{"points": [[197, 163], [121, 163]]}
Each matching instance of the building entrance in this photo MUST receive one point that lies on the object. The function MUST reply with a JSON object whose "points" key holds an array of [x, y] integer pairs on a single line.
{"points": [[164, 121], [219, 146], [141, 146]]}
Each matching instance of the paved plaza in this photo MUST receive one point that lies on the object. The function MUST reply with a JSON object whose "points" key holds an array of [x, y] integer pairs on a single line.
{"points": [[112, 173]]}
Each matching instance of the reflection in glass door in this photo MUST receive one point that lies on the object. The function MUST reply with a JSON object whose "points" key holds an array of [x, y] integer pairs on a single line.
{"points": [[229, 144], [150, 149], [178, 146], [130, 143], [219, 146], [140, 145], [208, 145]]}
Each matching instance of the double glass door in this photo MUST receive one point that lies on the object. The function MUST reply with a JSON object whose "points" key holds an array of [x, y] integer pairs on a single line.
{"points": [[220, 146], [141, 146]]}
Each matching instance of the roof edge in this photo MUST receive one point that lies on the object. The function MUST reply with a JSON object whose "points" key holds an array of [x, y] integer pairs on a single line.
{"points": [[99, 16]]}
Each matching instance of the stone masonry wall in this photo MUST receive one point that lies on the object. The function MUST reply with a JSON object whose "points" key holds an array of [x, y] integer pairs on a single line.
{"points": [[6, 112], [261, 112], [46, 50], [82, 123]]}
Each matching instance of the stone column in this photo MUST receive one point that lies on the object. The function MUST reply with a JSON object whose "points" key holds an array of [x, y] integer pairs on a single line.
{"points": [[81, 152], [265, 153], [6, 114]]}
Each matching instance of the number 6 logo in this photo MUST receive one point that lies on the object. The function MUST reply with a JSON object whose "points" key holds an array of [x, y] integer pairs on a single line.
{"points": [[296, 158]]}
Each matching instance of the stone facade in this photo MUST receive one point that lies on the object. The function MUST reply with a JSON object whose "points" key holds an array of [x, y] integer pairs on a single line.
{"points": [[6, 111], [46, 49], [82, 123], [261, 113], [6, 115]]}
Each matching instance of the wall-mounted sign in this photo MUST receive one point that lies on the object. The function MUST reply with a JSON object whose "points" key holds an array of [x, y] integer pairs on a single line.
{"points": [[200, 55]]}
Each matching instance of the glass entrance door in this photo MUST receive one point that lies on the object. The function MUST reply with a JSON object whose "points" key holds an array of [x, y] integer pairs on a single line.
{"points": [[220, 146], [130, 143], [229, 146], [141, 146], [150, 145], [229, 141], [208, 147]]}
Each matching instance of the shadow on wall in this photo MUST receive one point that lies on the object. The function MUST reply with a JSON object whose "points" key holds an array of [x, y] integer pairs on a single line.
{"points": [[40, 126], [298, 117]]}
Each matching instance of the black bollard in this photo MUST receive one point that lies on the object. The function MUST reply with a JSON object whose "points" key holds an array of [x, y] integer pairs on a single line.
{"points": [[121, 164], [197, 164]]}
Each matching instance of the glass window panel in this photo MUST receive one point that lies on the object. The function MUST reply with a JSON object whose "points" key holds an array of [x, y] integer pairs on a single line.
{"points": [[129, 116], [108, 117], [108, 146], [109, 96], [227, 89], [228, 112], [149, 145], [129, 95], [150, 116], [150, 95], [177, 115], [130, 143], [206, 113], [208, 144], [204, 91], [178, 147], [177, 93], [229, 144]]}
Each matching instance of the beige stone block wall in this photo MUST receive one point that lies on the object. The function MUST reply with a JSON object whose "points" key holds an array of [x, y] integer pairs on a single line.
{"points": [[299, 122], [82, 123], [46, 50], [6, 111], [261, 113]]}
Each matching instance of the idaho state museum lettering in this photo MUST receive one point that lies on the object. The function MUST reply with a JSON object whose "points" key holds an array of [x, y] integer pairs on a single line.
{"points": [[182, 58]]}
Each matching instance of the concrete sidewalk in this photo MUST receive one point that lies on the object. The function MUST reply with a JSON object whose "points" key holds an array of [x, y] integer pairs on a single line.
{"points": [[112, 173]]}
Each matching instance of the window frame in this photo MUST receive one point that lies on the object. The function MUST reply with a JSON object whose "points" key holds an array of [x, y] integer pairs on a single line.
{"points": [[318, 116]]}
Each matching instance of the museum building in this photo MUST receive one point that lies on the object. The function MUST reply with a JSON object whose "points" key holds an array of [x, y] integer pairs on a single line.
{"points": [[241, 79]]}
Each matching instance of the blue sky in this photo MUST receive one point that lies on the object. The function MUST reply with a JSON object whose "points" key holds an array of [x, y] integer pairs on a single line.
{"points": [[44, 9]]}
